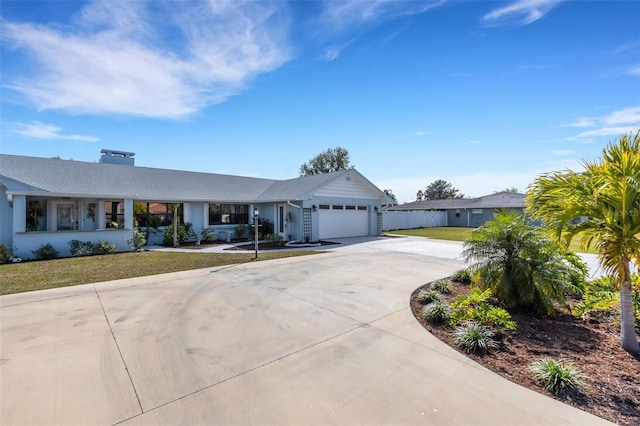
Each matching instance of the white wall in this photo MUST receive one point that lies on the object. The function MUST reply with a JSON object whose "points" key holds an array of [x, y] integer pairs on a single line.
{"points": [[25, 242], [413, 219]]}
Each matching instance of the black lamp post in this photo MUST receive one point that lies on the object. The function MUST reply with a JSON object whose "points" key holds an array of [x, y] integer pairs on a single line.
{"points": [[255, 226]]}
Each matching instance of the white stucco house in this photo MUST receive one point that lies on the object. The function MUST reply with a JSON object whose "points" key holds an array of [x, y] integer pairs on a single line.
{"points": [[49, 200]]}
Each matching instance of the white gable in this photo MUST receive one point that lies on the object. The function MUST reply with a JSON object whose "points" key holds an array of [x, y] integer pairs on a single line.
{"points": [[348, 186]]}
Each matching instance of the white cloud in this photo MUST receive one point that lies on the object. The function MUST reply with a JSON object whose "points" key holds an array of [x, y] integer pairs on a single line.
{"points": [[561, 152], [472, 142], [624, 116], [635, 70], [606, 131], [519, 13], [615, 124], [340, 15], [422, 133], [331, 53], [38, 130], [583, 122], [127, 58]]}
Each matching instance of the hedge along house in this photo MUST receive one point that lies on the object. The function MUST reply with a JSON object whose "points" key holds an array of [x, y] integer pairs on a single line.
{"points": [[468, 212], [49, 200]]}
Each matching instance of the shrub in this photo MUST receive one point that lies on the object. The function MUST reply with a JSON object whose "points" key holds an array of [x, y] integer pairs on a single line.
{"points": [[104, 247], [138, 240], [476, 307], [240, 228], [207, 235], [441, 286], [45, 252], [80, 248], [436, 312], [474, 337], [522, 266], [426, 297], [462, 276], [6, 254], [184, 233], [558, 377], [601, 300], [274, 238]]}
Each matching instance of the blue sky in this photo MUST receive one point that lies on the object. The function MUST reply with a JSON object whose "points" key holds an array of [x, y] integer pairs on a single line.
{"points": [[486, 95]]}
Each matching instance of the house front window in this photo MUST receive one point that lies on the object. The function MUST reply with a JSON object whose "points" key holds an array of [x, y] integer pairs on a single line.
{"points": [[153, 215], [220, 214], [114, 210], [36, 214]]}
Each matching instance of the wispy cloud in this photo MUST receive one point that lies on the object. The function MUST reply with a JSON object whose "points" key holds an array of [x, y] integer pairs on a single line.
{"points": [[351, 16], [422, 133], [331, 53], [519, 13], [118, 58], [606, 131], [626, 47], [614, 124], [582, 122], [634, 70], [352, 13], [562, 152], [624, 116], [38, 130], [471, 142]]}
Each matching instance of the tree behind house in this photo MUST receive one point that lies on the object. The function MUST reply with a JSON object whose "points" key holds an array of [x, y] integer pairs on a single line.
{"points": [[438, 190], [331, 160]]}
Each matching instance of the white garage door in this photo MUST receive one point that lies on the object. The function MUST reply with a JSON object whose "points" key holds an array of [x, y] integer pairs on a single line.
{"points": [[338, 221]]}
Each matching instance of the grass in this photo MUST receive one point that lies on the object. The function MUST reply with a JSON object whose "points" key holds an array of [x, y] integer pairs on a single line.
{"points": [[31, 276], [438, 233], [461, 234]]}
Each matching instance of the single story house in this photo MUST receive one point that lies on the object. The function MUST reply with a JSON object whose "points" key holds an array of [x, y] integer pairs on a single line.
{"points": [[468, 212], [49, 200]]}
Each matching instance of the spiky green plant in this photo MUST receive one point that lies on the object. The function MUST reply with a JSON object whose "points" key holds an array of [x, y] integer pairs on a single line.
{"points": [[462, 276], [436, 312], [441, 286], [558, 376], [426, 297], [474, 337]]}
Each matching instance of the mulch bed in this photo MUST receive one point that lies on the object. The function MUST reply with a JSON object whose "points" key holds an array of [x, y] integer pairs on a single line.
{"points": [[612, 375]]}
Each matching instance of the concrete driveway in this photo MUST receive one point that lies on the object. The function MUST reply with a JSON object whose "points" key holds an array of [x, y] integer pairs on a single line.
{"points": [[323, 339]]}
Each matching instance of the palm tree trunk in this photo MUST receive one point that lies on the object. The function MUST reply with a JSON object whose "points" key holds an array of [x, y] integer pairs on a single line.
{"points": [[627, 323]]}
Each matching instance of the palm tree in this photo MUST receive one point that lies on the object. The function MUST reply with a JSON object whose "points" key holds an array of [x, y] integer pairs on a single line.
{"points": [[174, 208], [606, 196], [521, 265]]}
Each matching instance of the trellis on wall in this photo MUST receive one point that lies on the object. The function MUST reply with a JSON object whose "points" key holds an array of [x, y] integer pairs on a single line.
{"points": [[306, 224]]}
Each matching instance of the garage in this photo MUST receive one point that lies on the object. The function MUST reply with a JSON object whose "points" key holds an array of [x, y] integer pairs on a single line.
{"points": [[340, 220]]}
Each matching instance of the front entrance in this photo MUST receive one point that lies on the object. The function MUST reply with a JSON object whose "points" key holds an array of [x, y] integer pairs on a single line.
{"points": [[66, 217]]}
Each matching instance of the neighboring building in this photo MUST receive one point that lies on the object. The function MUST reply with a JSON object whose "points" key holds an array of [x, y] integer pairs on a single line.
{"points": [[469, 212], [48, 200]]}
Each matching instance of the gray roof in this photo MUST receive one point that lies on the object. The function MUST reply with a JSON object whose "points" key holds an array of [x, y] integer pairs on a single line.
{"points": [[507, 200], [292, 189], [78, 178]]}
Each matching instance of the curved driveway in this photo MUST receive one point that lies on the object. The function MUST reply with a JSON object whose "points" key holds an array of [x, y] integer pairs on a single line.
{"points": [[322, 339]]}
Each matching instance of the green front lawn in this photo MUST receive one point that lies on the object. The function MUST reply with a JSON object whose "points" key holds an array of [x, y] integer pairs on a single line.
{"points": [[438, 233], [461, 234], [30, 276]]}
